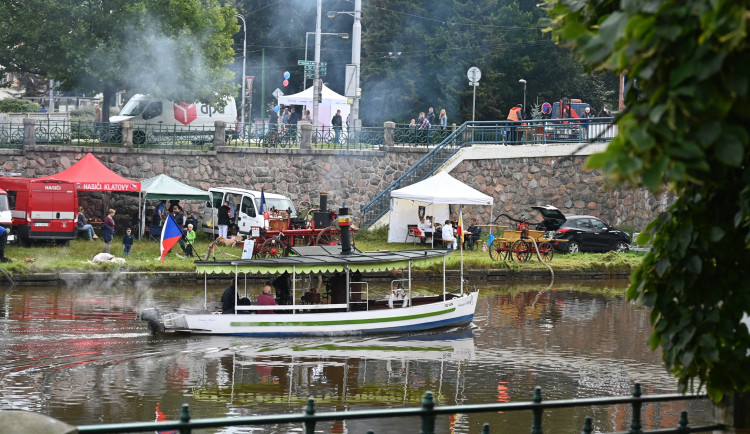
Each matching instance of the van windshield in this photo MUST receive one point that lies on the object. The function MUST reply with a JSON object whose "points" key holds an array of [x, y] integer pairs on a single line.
{"points": [[278, 204], [4, 203], [134, 107]]}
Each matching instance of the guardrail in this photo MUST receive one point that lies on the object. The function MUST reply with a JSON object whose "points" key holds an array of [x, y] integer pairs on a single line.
{"points": [[428, 412], [14, 134]]}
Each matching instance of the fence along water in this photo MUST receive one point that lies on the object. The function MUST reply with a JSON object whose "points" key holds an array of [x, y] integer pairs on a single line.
{"points": [[428, 413]]}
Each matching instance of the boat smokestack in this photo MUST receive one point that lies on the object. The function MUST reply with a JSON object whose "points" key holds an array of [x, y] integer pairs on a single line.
{"points": [[323, 202], [345, 221]]}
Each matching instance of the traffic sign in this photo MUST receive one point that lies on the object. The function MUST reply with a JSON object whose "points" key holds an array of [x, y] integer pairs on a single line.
{"points": [[306, 62], [277, 93], [474, 75]]}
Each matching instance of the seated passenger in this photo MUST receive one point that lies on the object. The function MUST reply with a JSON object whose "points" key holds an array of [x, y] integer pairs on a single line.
{"points": [[473, 234], [266, 299], [448, 234]]}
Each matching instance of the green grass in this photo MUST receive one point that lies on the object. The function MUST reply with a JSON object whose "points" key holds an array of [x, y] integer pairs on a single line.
{"points": [[144, 257]]}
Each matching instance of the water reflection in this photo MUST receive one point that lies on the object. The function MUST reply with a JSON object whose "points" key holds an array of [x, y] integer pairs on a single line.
{"points": [[82, 357]]}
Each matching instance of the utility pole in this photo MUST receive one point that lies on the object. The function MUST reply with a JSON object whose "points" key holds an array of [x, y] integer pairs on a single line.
{"points": [[316, 80], [356, 48]]}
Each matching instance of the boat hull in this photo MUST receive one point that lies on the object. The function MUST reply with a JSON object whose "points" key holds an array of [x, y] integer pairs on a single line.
{"points": [[451, 313]]}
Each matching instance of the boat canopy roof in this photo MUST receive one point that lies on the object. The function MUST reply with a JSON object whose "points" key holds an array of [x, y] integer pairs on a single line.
{"points": [[321, 259]]}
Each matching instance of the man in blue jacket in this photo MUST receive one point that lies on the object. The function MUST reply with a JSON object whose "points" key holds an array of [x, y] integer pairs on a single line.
{"points": [[3, 240]]}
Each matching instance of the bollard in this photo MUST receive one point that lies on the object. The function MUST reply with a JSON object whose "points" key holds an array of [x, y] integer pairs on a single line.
{"points": [[127, 134], [428, 420], [29, 132], [635, 425], [588, 426], [389, 132], [536, 426], [310, 411], [220, 134], [306, 132]]}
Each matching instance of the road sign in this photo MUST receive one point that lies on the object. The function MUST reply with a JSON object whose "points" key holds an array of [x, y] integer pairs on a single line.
{"points": [[277, 93], [474, 75], [306, 62]]}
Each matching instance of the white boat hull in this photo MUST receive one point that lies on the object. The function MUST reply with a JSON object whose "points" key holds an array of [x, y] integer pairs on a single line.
{"points": [[455, 312]]}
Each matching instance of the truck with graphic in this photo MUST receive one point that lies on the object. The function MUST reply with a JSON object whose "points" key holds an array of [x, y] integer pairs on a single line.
{"points": [[41, 209], [155, 119]]}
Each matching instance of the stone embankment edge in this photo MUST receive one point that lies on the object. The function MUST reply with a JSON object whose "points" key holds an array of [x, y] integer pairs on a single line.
{"points": [[174, 277]]}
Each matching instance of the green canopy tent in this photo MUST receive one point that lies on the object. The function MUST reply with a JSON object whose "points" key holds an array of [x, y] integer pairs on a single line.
{"points": [[163, 187]]}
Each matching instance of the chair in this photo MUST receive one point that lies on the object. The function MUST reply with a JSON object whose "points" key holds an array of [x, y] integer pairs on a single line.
{"points": [[410, 232]]}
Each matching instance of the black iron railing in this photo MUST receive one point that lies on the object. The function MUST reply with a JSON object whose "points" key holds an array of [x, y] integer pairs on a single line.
{"points": [[428, 412]]}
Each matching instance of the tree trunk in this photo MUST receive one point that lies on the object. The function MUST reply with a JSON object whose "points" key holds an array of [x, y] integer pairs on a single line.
{"points": [[109, 92]]}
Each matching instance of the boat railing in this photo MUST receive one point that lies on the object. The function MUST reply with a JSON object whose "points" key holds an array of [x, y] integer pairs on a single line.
{"points": [[292, 307], [400, 292], [364, 295]]}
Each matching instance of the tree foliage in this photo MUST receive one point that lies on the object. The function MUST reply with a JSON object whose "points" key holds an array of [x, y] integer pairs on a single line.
{"points": [[14, 105], [176, 49], [685, 127]]}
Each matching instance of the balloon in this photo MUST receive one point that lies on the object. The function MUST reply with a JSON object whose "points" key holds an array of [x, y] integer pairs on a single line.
{"points": [[286, 83], [287, 75], [276, 109]]}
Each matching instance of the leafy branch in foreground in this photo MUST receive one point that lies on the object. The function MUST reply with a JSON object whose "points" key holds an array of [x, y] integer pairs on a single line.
{"points": [[687, 67]]}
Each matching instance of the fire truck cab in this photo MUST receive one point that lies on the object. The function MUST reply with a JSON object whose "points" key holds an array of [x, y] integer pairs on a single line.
{"points": [[41, 209]]}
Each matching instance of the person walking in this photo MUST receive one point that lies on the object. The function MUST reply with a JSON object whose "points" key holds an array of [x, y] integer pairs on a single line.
{"points": [[337, 123], [514, 115], [108, 230], [97, 120]]}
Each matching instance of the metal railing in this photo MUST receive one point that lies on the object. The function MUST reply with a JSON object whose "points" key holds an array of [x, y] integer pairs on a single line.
{"points": [[428, 413]]}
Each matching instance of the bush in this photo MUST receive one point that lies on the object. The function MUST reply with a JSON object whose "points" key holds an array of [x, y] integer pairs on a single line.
{"points": [[16, 105]]}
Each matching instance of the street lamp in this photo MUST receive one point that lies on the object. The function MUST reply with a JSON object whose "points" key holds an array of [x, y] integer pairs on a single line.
{"points": [[524, 93], [356, 49], [244, 62], [307, 35]]}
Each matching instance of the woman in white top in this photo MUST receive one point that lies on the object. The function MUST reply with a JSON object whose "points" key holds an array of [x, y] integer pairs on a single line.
{"points": [[448, 234]]}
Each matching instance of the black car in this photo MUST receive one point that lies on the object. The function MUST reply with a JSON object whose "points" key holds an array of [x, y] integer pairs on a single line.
{"points": [[579, 233]]}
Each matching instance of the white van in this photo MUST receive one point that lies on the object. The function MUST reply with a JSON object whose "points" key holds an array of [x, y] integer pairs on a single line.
{"points": [[171, 116], [244, 206]]}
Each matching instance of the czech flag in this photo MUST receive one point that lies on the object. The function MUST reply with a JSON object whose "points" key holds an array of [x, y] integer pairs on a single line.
{"points": [[170, 235]]}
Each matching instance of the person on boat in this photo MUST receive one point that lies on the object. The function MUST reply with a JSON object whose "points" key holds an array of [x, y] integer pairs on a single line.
{"points": [[266, 299], [228, 299], [448, 236]]}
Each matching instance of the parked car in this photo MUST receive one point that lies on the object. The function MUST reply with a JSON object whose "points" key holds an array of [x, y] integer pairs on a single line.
{"points": [[579, 233]]}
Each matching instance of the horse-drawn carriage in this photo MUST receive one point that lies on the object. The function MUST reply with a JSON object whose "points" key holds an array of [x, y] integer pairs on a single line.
{"points": [[520, 243]]}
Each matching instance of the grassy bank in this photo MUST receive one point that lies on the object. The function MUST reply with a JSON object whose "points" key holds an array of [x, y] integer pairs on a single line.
{"points": [[144, 257]]}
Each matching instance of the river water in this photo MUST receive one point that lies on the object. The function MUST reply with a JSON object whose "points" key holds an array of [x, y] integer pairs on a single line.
{"points": [[80, 355]]}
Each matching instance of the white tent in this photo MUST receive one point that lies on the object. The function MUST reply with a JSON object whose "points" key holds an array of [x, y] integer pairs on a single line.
{"points": [[331, 101], [435, 194]]}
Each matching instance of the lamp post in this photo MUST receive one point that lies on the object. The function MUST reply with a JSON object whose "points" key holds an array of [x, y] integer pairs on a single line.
{"points": [[307, 35], [316, 79], [244, 63], [524, 93], [356, 49]]}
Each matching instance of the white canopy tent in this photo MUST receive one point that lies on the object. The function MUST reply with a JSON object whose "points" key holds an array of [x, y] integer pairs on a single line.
{"points": [[331, 101], [435, 194]]}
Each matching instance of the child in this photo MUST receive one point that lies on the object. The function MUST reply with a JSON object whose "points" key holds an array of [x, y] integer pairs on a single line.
{"points": [[127, 243], [190, 235]]}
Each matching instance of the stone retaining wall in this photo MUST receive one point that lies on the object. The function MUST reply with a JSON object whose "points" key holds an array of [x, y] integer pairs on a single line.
{"points": [[353, 177]]}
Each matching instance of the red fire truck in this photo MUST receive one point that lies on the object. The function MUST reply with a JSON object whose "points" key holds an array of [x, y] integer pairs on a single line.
{"points": [[41, 209]]}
